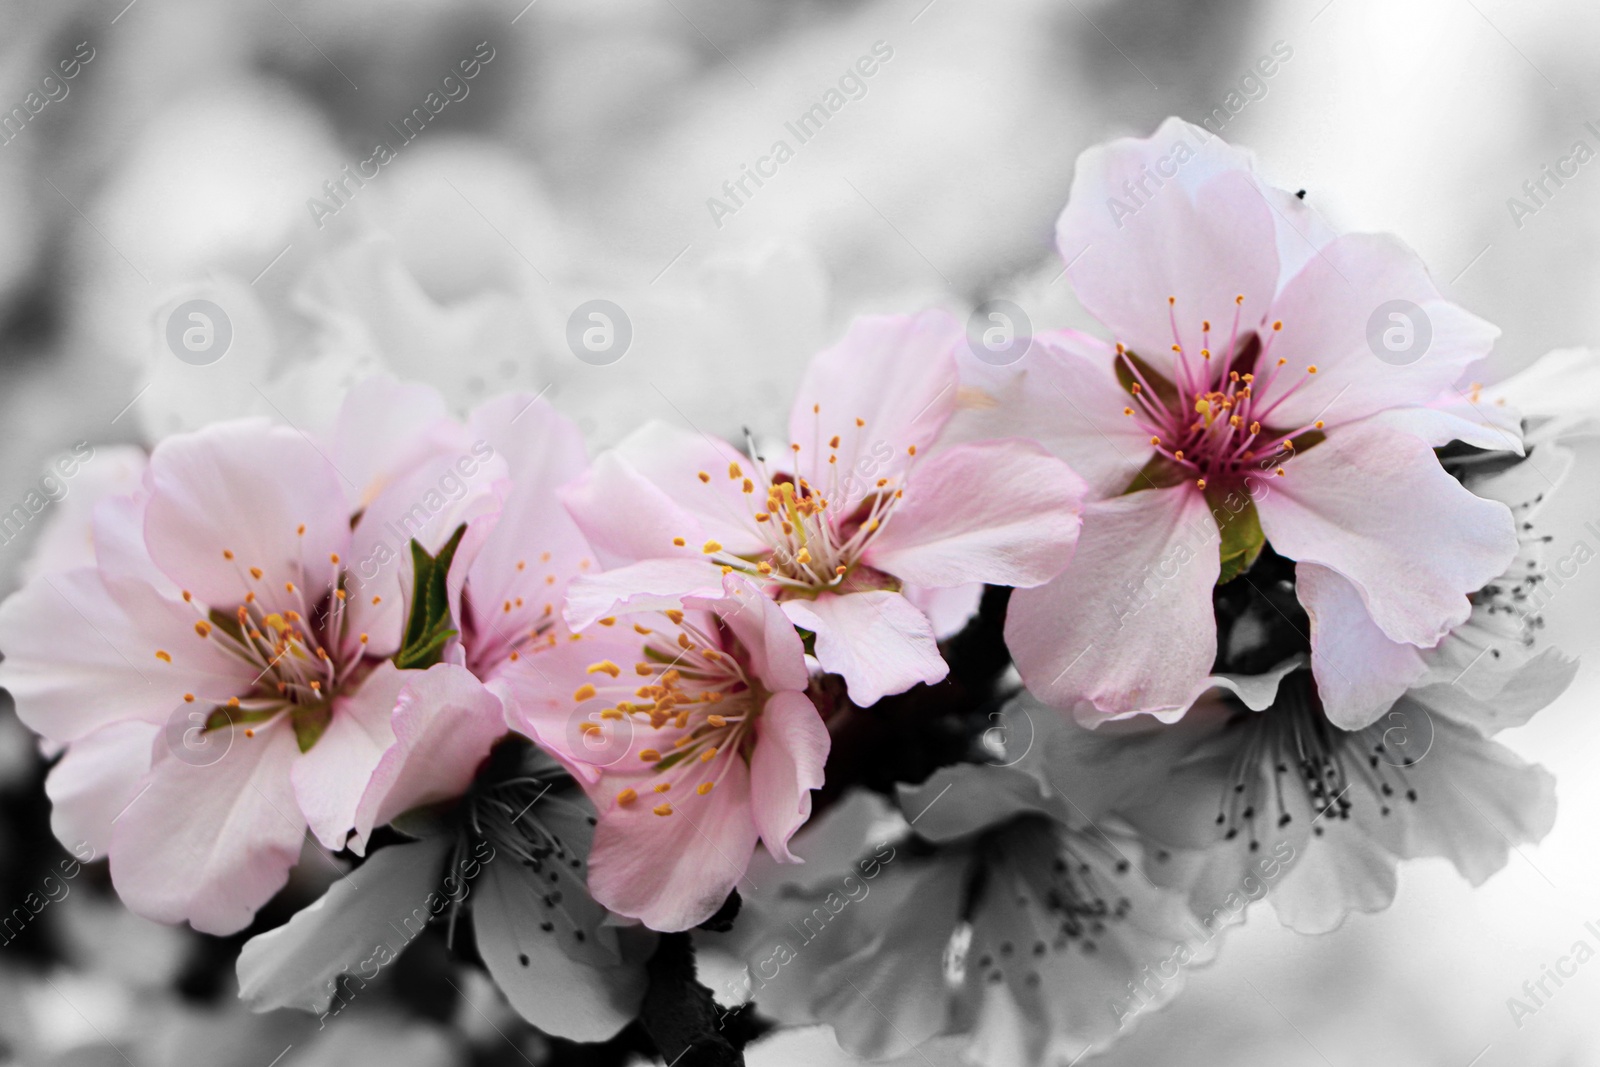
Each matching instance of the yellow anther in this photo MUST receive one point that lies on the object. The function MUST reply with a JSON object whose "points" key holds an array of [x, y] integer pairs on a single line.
{"points": [[626, 797], [163, 655], [734, 473], [202, 628], [703, 788], [662, 809], [586, 691], [255, 572], [227, 554], [708, 755], [704, 477], [664, 787], [609, 620], [650, 755], [710, 547], [605, 666]]}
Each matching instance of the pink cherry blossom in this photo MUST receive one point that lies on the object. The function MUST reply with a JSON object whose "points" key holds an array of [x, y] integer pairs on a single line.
{"points": [[1242, 389], [860, 517], [704, 742], [220, 675]]}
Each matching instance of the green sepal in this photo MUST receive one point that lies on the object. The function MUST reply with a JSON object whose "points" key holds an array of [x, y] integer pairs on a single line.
{"points": [[1165, 390], [429, 627], [1308, 440], [310, 721], [224, 716], [1241, 536], [1161, 472]]}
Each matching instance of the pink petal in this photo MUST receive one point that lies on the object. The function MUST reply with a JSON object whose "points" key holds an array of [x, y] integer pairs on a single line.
{"points": [[211, 844], [894, 373], [1458, 418], [1066, 396], [95, 781], [877, 641], [651, 585], [647, 491], [540, 446], [1326, 310], [672, 872], [1178, 214], [948, 610], [519, 570], [383, 429], [330, 777], [1005, 513], [77, 659], [1374, 505], [776, 653], [791, 749], [1360, 672], [1128, 628], [444, 727], [66, 539], [119, 546], [426, 503], [538, 690], [245, 487]]}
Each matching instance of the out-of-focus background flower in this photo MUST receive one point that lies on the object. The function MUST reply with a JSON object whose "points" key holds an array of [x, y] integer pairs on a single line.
{"points": [[544, 157]]}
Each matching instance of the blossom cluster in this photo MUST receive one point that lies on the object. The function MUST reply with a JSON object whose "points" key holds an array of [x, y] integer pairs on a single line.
{"points": [[1267, 597]]}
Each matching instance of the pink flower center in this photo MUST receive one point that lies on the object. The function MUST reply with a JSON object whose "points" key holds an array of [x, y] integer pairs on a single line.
{"points": [[815, 535], [693, 695], [297, 640], [1214, 420]]}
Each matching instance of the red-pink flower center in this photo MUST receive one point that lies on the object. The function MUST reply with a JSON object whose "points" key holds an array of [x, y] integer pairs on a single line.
{"points": [[1215, 418], [688, 697]]}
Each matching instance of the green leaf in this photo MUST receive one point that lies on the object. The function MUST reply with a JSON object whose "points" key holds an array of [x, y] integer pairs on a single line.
{"points": [[1163, 388], [1309, 439], [309, 722], [429, 628], [1160, 473], [1240, 527]]}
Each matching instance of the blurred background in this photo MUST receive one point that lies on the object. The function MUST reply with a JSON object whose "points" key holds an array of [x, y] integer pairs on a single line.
{"points": [[539, 157]]}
